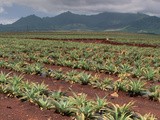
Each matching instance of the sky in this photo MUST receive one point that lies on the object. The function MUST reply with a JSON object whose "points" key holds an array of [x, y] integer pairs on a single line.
{"points": [[12, 10]]}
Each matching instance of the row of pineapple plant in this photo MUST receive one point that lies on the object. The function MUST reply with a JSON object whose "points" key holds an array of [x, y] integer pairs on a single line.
{"points": [[77, 106], [148, 73], [113, 60], [132, 87]]}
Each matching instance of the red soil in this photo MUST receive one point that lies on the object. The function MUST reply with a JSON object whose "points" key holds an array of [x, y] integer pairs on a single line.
{"points": [[143, 105], [14, 109]]}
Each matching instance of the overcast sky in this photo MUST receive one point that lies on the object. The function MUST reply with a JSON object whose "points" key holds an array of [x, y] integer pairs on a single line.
{"points": [[11, 10]]}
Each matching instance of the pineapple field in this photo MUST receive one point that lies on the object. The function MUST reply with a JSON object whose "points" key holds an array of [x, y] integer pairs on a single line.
{"points": [[79, 76]]}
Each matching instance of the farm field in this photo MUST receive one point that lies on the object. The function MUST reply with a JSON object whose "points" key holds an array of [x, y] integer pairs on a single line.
{"points": [[120, 37], [80, 75]]}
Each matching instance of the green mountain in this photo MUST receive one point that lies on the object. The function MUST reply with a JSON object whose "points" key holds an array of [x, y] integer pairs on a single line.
{"points": [[145, 25], [29, 23], [100, 22]]}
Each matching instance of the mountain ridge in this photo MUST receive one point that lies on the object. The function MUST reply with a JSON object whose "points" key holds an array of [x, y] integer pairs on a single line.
{"points": [[131, 22]]}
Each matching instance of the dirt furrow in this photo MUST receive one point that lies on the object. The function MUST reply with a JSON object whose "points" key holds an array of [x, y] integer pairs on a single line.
{"points": [[98, 41]]}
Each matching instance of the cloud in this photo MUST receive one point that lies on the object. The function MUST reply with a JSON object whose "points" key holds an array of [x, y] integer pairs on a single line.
{"points": [[7, 21], [1, 10], [87, 6]]}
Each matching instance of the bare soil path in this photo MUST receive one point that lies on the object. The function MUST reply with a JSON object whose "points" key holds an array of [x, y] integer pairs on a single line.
{"points": [[98, 41]]}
